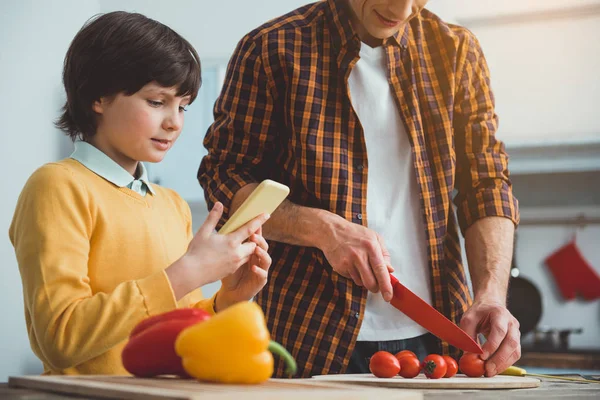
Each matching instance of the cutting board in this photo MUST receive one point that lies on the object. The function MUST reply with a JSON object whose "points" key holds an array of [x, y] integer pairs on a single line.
{"points": [[122, 387], [421, 382]]}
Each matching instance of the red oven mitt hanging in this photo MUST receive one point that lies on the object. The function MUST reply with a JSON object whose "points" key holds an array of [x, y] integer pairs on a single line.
{"points": [[573, 274]]}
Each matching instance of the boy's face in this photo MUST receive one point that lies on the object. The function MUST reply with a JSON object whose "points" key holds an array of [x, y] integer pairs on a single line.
{"points": [[140, 127], [375, 20]]}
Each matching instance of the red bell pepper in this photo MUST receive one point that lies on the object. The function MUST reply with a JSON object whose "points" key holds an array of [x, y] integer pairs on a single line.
{"points": [[150, 350]]}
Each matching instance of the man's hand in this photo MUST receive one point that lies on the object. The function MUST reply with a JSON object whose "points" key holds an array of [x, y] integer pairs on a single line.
{"points": [[353, 251], [503, 346], [359, 253], [489, 245]]}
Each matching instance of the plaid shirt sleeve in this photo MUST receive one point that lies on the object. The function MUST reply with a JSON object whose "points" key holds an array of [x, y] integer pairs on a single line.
{"points": [[242, 131], [482, 177]]}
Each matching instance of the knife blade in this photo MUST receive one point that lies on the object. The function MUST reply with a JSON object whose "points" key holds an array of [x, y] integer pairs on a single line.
{"points": [[431, 319]]}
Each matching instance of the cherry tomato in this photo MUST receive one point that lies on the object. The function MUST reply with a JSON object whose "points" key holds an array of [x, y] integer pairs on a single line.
{"points": [[452, 366], [409, 366], [405, 353], [384, 365], [471, 365], [434, 366]]}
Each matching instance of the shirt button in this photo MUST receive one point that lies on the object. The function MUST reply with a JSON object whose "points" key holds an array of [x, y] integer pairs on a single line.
{"points": [[359, 216], [357, 315], [360, 167]]}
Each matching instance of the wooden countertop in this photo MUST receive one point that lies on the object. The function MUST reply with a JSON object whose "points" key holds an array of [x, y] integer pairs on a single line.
{"points": [[548, 389]]}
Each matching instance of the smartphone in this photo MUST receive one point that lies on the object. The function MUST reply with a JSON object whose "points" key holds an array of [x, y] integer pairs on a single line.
{"points": [[267, 196]]}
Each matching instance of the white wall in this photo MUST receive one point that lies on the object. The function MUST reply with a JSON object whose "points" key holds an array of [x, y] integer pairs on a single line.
{"points": [[34, 37], [554, 63], [213, 27]]}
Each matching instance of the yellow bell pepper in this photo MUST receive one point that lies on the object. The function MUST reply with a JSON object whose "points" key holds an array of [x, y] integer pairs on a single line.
{"points": [[234, 346]]}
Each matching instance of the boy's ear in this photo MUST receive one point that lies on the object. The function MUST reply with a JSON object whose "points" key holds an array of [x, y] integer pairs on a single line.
{"points": [[98, 105]]}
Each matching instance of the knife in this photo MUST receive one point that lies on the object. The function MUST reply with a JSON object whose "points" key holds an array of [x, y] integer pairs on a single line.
{"points": [[431, 319]]}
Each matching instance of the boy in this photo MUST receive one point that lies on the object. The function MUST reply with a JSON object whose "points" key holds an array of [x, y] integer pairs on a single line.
{"points": [[99, 248]]}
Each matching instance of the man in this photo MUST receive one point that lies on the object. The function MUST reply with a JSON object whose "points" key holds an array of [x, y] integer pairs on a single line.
{"points": [[372, 112]]}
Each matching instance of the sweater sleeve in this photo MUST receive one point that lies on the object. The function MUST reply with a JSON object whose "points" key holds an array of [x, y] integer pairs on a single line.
{"points": [[51, 232], [207, 305]]}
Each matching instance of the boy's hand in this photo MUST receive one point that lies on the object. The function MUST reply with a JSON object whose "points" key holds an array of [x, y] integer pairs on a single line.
{"points": [[248, 280], [211, 256]]}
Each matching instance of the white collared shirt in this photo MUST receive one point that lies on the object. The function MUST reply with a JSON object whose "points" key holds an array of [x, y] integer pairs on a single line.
{"points": [[104, 166]]}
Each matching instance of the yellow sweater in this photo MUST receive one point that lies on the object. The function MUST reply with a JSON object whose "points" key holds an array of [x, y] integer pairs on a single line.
{"points": [[92, 259]]}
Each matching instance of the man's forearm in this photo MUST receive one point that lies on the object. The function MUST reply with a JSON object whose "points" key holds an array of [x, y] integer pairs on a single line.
{"points": [[293, 224], [489, 246]]}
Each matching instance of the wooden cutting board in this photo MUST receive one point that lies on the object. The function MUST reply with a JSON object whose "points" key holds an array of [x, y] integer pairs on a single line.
{"points": [[121, 387], [421, 382]]}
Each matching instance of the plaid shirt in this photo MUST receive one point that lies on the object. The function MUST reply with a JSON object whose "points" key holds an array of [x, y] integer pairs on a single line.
{"points": [[285, 114]]}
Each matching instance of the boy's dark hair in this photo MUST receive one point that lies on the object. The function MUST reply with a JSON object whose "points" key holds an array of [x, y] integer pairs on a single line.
{"points": [[120, 52]]}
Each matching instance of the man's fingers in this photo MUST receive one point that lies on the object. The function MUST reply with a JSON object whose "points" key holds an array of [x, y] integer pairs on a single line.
{"points": [[367, 277], [499, 328], [379, 259], [212, 220], [355, 276], [384, 251], [383, 280], [507, 354], [468, 323], [246, 230]]}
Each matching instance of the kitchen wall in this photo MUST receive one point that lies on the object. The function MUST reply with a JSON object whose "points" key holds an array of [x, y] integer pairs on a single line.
{"points": [[535, 243], [213, 27], [34, 36], [543, 48]]}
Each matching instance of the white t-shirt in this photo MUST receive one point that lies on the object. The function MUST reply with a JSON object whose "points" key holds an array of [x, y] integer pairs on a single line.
{"points": [[393, 205]]}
